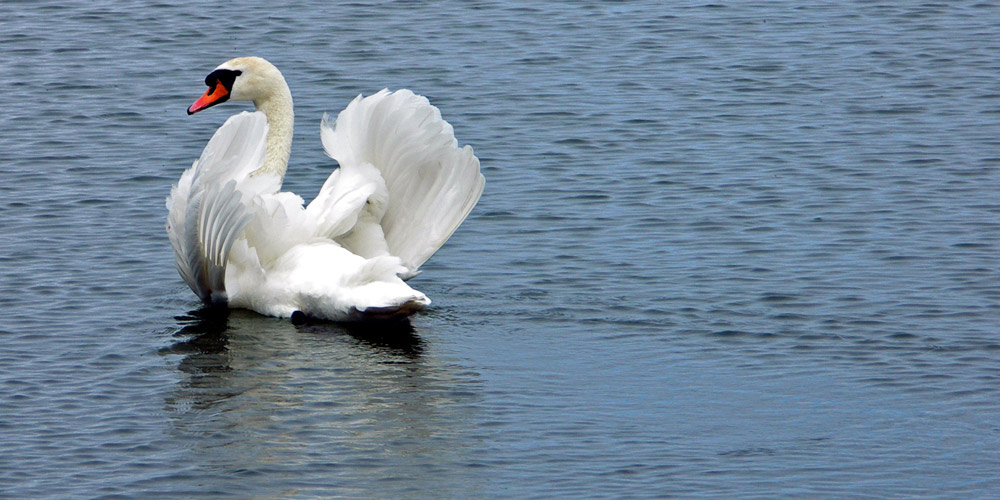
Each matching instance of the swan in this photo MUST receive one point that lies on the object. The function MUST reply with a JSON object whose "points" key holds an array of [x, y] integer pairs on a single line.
{"points": [[402, 188]]}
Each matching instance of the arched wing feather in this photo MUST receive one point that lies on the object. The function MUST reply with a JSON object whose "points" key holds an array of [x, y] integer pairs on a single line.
{"points": [[207, 210], [431, 183]]}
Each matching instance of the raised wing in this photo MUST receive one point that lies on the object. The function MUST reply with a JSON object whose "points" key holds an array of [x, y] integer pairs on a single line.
{"points": [[209, 207], [428, 184]]}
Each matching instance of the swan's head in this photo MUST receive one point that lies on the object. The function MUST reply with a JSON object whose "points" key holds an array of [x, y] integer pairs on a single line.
{"points": [[241, 79]]}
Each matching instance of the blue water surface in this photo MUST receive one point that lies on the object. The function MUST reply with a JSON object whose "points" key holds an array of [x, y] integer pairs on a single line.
{"points": [[726, 250]]}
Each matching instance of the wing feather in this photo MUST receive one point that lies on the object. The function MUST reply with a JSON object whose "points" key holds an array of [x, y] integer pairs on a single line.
{"points": [[431, 185], [208, 210]]}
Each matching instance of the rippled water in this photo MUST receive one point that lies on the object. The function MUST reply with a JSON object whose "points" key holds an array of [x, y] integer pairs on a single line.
{"points": [[725, 251]]}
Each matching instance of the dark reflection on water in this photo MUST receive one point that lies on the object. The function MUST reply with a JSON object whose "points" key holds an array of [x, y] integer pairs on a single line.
{"points": [[203, 339], [263, 397], [395, 338], [204, 331]]}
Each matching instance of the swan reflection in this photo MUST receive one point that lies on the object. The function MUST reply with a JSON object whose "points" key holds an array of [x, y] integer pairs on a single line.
{"points": [[335, 407]]}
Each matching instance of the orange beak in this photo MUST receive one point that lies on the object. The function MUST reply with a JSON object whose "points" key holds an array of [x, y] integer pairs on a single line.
{"points": [[213, 96]]}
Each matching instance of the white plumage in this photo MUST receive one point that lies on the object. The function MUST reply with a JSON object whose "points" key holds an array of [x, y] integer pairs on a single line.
{"points": [[403, 187]]}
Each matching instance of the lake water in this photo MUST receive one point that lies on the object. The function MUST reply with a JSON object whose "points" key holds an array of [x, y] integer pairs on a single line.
{"points": [[726, 250]]}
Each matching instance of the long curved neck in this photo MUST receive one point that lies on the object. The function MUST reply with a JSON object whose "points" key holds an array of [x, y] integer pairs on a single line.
{"points": [[277, 107]]}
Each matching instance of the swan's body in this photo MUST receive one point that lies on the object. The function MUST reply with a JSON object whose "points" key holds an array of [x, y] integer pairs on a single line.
{"points": [[402, 189]]}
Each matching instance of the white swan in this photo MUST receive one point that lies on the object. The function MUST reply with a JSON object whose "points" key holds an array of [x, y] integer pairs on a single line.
{"points": [[402, 189]]}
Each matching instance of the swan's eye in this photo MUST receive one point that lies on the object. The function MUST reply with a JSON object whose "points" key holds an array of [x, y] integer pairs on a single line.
{"points": [[214, 95], [224, 76]]}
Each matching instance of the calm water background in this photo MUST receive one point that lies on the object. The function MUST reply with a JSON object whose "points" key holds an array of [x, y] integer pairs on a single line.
{"points": [[745, 250]]}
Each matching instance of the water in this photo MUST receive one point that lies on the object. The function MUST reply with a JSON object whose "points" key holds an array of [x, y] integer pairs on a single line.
{"points": [[725, 251]]}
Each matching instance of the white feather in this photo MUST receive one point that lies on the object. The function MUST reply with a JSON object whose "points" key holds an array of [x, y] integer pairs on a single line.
{"points": [[206, 211], [430, 183]]}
